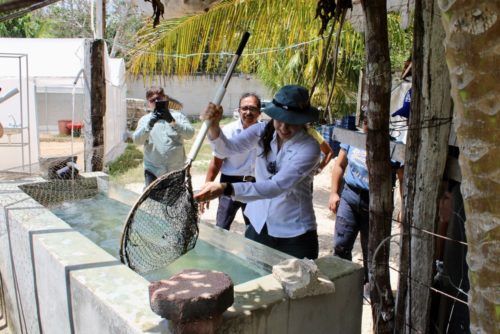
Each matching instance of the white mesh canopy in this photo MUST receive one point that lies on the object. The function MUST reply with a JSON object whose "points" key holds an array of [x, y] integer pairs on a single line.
{"points": [[46, 92]]}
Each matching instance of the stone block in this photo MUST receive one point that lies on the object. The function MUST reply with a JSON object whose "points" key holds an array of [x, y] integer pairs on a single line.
{"points": [[301, 278], [192, 295]]}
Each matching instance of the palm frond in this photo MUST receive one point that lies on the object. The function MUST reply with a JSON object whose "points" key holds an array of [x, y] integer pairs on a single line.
{"points": [[283, 48]]}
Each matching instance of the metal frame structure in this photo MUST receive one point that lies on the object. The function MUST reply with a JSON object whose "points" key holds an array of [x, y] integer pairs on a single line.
{"points": [[24, 126]]}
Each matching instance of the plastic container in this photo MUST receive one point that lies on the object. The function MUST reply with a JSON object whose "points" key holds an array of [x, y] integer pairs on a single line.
{"points": [[77, 128], [63, 127]]}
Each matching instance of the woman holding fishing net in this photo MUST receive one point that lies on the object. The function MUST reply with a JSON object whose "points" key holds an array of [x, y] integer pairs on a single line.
{"points": [[279, 203]]}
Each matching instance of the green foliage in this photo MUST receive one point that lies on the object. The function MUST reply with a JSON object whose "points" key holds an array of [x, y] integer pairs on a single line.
{"points": [[122, 23], [131, 158], [67, 19], [400, 41], [72, 19], [282, 49], [27, 26]]}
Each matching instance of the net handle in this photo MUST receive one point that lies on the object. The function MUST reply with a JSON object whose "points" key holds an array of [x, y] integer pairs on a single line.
{"points": [[219, 95]]}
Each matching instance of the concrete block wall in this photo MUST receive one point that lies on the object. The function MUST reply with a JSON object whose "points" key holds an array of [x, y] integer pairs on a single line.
{"points": [[55, 280]]}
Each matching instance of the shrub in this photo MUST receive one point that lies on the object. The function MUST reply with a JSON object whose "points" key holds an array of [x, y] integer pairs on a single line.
{"points": [[131, 158]]}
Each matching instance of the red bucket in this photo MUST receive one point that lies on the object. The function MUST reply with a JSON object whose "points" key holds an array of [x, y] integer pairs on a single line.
{"points": [[63, 127], [77, 128]]}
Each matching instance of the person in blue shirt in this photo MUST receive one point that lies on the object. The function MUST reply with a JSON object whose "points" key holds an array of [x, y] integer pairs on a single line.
{"points": [[351, 203], [162, 132], [280, 202]]}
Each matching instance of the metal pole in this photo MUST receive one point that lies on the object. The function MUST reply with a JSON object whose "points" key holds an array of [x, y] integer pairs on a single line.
{"points": [[21, 105], [46, 111], [100, 15], [28, 109]]}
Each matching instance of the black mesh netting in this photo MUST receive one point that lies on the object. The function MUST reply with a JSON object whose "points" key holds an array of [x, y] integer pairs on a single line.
{"points": [[162, 225], [56, 192]]}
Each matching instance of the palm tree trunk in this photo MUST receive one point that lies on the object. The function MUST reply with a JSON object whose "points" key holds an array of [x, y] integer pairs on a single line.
{"points": [[472, 43], [378, 75], [426, 153]]}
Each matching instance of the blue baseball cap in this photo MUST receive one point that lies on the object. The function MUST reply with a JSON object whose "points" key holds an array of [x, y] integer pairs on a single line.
{"points": [[404, 111], [291, 105]]}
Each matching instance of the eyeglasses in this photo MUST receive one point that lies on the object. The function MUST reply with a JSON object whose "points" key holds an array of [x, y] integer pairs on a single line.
{"points": [[272, 168], [250, 108]]}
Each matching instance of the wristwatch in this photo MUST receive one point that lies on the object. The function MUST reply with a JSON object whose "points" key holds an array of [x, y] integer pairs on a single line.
{"points": [[229, 190]]}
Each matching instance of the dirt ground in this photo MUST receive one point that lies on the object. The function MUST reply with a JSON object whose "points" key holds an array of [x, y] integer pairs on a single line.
{"points": [[56, 146]]}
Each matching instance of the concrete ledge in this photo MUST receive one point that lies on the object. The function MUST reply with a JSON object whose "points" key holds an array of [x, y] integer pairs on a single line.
{"points": [[57, 281]]}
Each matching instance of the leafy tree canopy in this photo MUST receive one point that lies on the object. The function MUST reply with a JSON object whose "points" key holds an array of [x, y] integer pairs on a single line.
{"points": [[27, 26]]}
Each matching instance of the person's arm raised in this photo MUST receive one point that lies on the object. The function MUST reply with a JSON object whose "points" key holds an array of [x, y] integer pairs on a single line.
{"points": [[212, 113]]}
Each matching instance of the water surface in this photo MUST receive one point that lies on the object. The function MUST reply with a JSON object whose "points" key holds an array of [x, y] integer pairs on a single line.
{"points": [[101, 220]]}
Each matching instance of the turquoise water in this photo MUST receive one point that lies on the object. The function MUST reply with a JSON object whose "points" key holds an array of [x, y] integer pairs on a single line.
{"points": [[101, 220]]}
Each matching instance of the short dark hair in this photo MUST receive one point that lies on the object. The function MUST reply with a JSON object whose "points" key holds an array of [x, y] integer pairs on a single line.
{"points": [[155, 90], [244, 96]]}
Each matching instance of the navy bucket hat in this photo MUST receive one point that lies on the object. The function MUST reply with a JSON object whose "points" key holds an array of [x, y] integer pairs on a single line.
{"points": [[291, 105]]}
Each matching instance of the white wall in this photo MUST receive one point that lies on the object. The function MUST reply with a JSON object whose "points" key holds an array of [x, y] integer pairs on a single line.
{"points": [[195, 92]]}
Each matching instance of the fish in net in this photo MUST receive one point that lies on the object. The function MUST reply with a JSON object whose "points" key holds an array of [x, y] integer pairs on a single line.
{"points": [[165, 224]]}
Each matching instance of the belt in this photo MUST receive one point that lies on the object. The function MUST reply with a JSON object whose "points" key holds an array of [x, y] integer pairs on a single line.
{"points": [[236, 178], [359, 191]]}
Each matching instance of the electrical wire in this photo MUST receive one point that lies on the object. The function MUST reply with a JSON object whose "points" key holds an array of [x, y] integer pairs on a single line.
{"points": [[256, 52]]}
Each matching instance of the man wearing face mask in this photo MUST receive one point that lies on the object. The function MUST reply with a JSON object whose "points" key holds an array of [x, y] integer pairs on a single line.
{"points": [[162, 132], [237, 167]]}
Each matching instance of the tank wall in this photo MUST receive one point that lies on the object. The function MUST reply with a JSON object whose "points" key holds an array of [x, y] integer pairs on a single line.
{"points": [[55, 280]]}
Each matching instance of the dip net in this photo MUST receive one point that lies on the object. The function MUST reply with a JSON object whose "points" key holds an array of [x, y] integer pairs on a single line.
{"points": [[162, 225]]}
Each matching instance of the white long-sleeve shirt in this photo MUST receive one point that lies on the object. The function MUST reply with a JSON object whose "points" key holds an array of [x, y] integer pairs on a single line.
{"points": [[164, 143], [282, 200], [242, 164]]}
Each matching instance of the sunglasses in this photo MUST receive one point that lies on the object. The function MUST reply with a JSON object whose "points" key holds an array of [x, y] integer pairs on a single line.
{"points": [[249, 108], [156, 98]]}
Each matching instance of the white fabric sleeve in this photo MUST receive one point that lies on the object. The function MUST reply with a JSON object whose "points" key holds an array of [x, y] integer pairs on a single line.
{"points": [[141, 133], [291, 172]]}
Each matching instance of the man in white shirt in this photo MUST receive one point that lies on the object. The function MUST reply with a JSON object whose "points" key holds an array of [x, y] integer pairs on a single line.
{"points": [[237, 167]]}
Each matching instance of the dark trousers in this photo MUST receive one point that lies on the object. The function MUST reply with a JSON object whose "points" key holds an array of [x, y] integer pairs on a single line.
{"points": [[228, 207], [352, 218], [149, 177], [302, 246], [227, 211]]}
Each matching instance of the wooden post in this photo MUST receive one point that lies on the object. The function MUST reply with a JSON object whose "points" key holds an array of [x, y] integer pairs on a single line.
{"points": [[95, 104], [378, 79], [427, 149]]}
